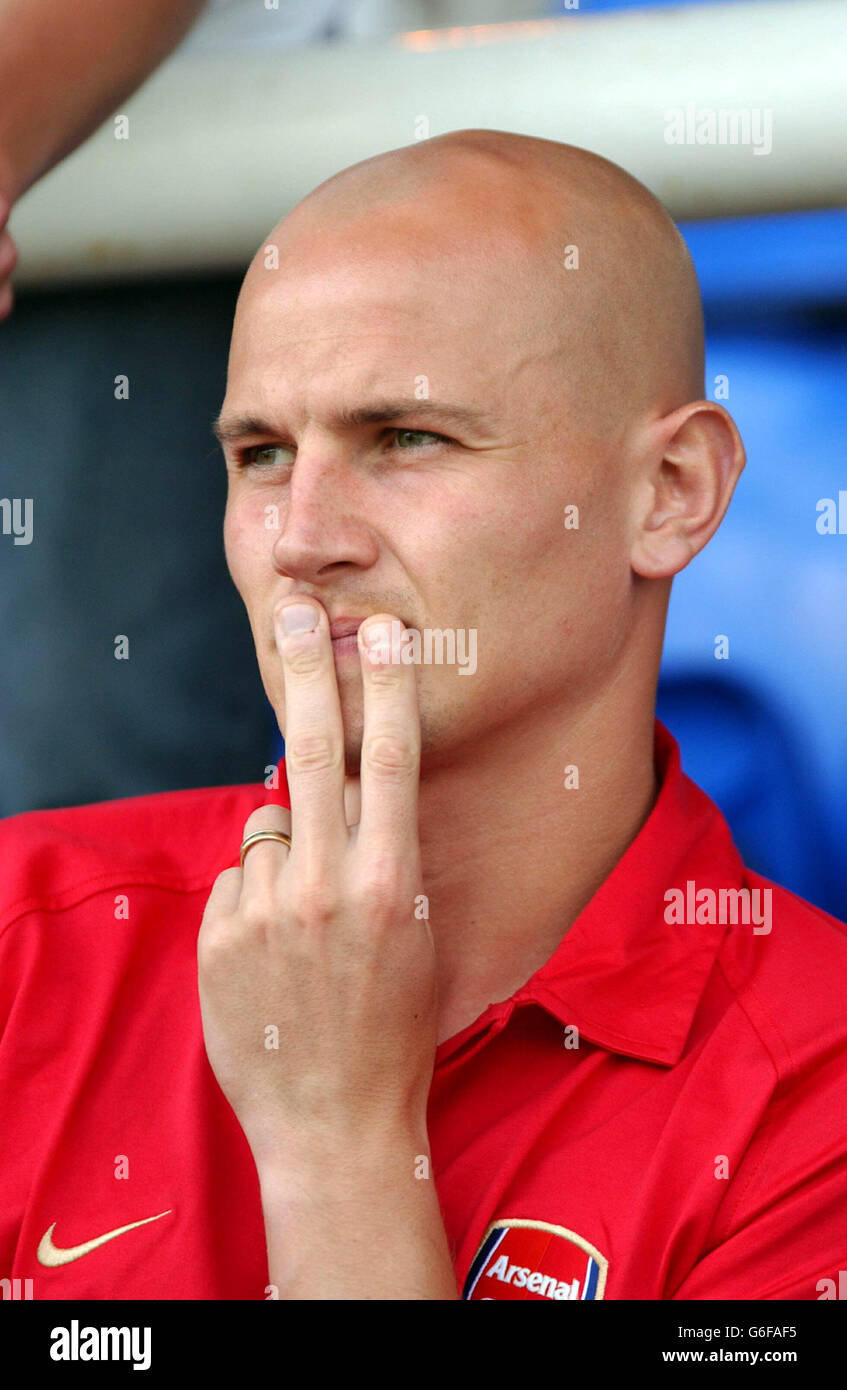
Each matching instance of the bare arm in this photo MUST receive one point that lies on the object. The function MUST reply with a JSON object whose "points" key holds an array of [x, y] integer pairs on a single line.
{"points": [[63, 69]]}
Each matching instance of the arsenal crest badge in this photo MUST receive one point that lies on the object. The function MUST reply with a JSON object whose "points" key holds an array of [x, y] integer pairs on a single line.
{"points": [[532, 1259]]}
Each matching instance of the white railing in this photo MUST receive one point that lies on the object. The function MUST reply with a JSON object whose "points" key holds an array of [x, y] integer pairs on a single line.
{"points": [[220, 147]]}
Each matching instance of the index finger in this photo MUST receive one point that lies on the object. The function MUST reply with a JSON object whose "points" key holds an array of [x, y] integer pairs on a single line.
{"points": [[391, 744], [314, 740]]}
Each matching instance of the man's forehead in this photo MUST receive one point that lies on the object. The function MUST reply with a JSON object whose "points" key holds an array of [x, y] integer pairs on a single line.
{"points": [[387, 271], [348, 348], [300, 289], [328, 354], [356, 315]]}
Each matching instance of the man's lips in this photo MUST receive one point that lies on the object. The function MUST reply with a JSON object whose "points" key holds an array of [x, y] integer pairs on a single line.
{"points": [[345, 641], [348, 627], [345, 627], [343, 631]]}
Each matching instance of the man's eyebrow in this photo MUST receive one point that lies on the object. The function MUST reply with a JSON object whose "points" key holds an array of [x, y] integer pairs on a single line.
{"points": [[380, 412], [228, 427], [237, 426]]}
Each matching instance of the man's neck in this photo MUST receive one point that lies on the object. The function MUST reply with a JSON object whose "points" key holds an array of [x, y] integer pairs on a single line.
{"points": [[511, 856]]}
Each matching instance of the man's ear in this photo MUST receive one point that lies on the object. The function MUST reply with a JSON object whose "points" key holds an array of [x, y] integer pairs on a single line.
{"points": [[687, 477]]}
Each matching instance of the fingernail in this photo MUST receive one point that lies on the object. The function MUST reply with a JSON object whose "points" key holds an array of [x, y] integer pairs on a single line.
{"points": [[377, 634], [299, 617]]}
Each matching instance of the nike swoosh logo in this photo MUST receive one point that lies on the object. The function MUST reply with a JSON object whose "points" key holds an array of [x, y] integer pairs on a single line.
{"points": [[52, 1255]]}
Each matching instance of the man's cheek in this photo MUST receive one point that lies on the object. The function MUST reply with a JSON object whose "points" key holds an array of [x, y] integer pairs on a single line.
{"points": [[248, 535]]}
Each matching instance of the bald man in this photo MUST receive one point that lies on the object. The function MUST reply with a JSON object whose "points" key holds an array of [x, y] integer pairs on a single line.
{"points": [[484, 1002]]}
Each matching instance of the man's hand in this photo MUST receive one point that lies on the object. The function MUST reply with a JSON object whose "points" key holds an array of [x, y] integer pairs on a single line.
{"points": [[321, 942]]}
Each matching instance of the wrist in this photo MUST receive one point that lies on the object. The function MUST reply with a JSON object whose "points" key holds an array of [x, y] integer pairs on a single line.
{"points": [[362, 1225], [330, 1166]]}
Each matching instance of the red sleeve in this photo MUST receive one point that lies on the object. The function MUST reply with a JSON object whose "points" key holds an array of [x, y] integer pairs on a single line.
{"points": [[784, 1234]]}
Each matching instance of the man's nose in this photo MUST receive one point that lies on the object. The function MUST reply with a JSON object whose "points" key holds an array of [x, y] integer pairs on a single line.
{"points": [[322, 517]]}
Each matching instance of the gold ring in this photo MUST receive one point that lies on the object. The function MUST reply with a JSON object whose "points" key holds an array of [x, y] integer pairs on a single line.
{"points": [[263, 835]]}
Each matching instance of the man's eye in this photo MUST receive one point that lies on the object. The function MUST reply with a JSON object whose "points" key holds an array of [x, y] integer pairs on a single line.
{"points": [[414, 439], [264, 455]]}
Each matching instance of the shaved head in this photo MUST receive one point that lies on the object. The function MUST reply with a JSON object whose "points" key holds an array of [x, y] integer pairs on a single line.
{"points": [[574, 246], [465, 388]]}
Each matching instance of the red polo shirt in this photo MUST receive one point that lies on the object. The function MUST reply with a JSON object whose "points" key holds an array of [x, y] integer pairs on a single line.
{"points": [[660, 1112]]}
